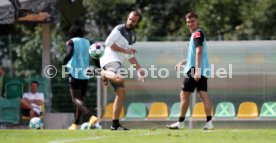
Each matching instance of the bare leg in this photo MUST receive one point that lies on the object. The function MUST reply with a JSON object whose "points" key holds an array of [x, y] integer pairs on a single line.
{"points": [[120, 92], [208, 110], [78, 101], [207, 104], [32, 114], [118, 102], [26, 104], [184, 103], [119, 99], [80, 105], [118, 79]]}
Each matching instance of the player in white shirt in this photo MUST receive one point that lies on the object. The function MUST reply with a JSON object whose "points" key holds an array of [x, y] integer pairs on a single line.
{"points": [[31, 102], [118, 48]]}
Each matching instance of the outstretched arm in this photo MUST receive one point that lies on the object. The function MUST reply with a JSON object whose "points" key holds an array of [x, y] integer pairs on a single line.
{"points": [[136, 64], [115, 47]]}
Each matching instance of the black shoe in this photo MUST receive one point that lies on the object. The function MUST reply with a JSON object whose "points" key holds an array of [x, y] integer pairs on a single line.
{"points": [[119, 128]]}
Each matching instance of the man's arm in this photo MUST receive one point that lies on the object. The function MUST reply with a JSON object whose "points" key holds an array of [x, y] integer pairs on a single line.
{"points": [[111, 40], [198, 62], [115, 47], [70, 51], [37, 101], [136, 64], [40, 100], [198, 42]]}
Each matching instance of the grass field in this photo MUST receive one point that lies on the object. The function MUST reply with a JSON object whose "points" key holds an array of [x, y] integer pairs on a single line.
{"points": [[139, 136]]}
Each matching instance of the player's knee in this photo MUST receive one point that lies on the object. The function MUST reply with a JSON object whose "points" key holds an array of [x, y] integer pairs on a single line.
{"points": [[32, 112], [119, 80], [184, 95], [203, 97]]}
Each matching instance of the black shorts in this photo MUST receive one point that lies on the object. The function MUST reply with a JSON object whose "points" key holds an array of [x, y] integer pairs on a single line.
{"points": [[189, 83], [80, 84]]}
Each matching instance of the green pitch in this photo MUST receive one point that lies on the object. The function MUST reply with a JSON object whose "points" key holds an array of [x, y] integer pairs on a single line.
{"points": [[139, 136]]}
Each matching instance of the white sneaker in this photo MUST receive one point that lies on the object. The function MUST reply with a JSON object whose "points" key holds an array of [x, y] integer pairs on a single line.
{"points": [[177, 125], [208, 126]]}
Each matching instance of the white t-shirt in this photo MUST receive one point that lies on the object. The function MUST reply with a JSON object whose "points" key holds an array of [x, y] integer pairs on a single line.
{"points": [[121, 37], [37, 96]]}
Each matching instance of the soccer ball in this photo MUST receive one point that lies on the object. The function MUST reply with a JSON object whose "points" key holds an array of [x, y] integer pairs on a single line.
{"points": [[36, 123], [96, 50], [84, 126]]}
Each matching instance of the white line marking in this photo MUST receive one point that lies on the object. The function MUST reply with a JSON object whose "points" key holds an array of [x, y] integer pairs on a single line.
{"points": [[77, 139], [95, 138]]}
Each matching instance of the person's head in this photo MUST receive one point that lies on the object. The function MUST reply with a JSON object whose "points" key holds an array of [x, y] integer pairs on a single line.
{"points": [[192, 21], [34, 86], [134, 17], [75, 31]]}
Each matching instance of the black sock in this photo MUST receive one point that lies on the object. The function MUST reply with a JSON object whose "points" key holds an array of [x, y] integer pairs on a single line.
{"points": [[88, 116], [77, 121], [181, 119], [115, 123], [209, 118]]}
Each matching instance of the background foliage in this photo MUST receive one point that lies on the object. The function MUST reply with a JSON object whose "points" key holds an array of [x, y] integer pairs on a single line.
{"points": [[162, 20]]}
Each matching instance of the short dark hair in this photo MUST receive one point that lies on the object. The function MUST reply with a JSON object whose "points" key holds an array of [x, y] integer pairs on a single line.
{"points": [[136, 13], [35, 82], [75, 31], [191, 15]]}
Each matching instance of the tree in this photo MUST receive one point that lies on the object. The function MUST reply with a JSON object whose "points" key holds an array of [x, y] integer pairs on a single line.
{"points": [[164, 19], [219, 18], [27, 57], [26, 49], [262, 16], [102, 16], [6, 41], [238, 20], [160, 18]]}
